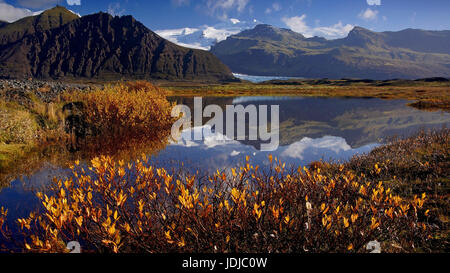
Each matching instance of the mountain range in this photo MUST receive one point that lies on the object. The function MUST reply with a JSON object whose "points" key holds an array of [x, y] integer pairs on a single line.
{"points": [[204, 37], [270, 51], [60, 44]]}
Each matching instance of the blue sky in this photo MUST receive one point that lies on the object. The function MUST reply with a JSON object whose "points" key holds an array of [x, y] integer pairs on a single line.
{"points": [[332, 18]]}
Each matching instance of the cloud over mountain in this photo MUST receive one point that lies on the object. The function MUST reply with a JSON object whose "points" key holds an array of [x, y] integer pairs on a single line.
{"points": [[204, 37], [368, 14], [9, 13], [299, 25]]}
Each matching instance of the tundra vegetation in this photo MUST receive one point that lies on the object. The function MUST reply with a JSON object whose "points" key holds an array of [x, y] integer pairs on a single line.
{"points": [[397, 194], [125, 118], [430, 94]]}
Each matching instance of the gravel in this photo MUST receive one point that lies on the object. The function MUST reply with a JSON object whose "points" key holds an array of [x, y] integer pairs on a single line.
{"points": [[44, 90]]}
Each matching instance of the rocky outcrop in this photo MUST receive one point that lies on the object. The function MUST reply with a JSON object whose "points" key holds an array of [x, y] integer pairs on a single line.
{"points": [[104, 47]]}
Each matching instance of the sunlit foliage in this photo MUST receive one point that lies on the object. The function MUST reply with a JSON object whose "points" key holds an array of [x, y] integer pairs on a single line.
{"points": [[132, 111], [121, 120], [118, 207]]}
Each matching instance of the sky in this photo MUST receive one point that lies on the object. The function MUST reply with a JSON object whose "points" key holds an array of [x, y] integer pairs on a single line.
{"points": [[326, 18]]}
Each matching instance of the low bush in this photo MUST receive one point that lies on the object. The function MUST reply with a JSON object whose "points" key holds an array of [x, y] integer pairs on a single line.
{"points": [[126, 110], [123, 116], [114, 207]]}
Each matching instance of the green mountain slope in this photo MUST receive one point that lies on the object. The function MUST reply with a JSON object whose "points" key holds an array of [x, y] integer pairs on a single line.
{"points": [[49, 19], [270, 51]]}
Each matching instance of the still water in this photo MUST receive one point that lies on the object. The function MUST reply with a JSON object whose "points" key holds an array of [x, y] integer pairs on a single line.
{"points": [[311, 129]]}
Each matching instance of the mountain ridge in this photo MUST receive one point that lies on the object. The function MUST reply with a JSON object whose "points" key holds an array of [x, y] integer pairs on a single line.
{"points": [[105, 47], [270, 51], [49, 19]]}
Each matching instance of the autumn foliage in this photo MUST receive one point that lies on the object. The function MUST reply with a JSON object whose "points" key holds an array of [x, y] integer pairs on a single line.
{"points": [[124, 114], [118, 207]]}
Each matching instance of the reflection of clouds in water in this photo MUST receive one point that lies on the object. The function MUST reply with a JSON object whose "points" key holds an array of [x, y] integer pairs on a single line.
{"points": [[235, 153], [308, 145], [240, 100], [217, 151], [209, 139]]}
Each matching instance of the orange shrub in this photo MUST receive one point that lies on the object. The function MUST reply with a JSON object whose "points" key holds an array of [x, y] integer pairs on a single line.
{"points": [[125, 114], [113, 207]]}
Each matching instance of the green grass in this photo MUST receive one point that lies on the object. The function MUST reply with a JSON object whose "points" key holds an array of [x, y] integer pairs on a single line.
{"points": [[425, 95]]}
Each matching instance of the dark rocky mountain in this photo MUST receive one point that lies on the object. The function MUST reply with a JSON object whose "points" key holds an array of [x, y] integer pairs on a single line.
{"points": [[270, 51], [49, 19], [103, 47]]}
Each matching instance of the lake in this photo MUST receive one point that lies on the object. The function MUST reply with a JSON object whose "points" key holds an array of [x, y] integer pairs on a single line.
{"points": [[311, 129]]}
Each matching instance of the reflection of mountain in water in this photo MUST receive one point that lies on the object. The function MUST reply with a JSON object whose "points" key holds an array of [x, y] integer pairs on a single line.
{"points": [[311, 129], [359, 121], [216, 151]]}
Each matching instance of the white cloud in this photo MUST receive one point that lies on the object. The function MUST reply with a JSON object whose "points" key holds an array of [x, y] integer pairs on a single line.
{"points": [[298, 24], [335, 31], [308, 146], [10, 13], [204, 37], [220, 8], [275, 7], [235, 21], [368, 14], [73, 2], [374, 2], [37, 4], [115, 9]]}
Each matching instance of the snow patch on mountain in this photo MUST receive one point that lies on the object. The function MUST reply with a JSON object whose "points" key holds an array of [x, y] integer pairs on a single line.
{"points": [[205, 36]]}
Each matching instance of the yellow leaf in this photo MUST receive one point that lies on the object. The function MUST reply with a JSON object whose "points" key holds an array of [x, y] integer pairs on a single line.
{"points": [[346, 224], [167, 234]]}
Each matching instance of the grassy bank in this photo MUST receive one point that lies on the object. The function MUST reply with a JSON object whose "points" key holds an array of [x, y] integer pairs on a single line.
{"points": [[413, 166], [396, 195], [434, 95], [114, 119]]}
